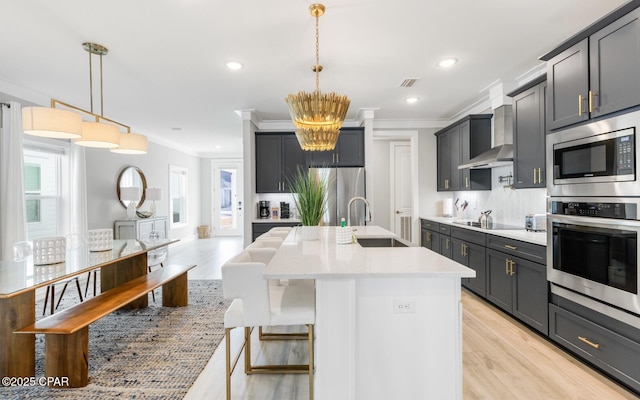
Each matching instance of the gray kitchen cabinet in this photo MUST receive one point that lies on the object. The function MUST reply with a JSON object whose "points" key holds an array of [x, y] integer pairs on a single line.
{"points": [[529, 129], [430, 235], [446, 246], [598, 75], [456, 145], [518, 285], [606, 343], [349, 151], [468, 249], [278, 155]]}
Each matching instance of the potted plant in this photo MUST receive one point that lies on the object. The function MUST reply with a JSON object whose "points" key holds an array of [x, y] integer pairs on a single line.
{"points": [[310, 199]]}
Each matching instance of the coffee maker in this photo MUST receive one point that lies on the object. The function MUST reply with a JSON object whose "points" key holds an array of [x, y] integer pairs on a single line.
{"points": [[264, 209]]}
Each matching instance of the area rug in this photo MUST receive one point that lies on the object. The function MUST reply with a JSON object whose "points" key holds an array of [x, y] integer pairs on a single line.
{"points": [[154, 353]]}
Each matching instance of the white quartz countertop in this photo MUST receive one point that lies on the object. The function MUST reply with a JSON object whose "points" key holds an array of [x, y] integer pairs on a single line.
{"points": [[324, 258], [539, 238]]}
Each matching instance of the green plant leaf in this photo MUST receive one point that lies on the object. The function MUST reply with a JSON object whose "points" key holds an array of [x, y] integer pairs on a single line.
{"points": [[311, 196]]}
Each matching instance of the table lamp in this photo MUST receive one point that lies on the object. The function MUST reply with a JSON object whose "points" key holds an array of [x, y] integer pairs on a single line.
{"points": [[132, 195], [153, 194]]}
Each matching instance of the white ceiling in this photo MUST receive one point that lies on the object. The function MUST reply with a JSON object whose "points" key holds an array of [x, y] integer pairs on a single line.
{"points": [[165, 67]]}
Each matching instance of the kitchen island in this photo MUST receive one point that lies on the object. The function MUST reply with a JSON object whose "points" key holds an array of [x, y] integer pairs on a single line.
{"points": [[388, 319]]}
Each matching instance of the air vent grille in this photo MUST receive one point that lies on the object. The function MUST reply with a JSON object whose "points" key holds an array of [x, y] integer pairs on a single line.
{"points": [[408, 82]]}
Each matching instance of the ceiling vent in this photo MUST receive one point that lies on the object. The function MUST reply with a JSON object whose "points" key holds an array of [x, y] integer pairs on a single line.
{"points": [[408, 82]]}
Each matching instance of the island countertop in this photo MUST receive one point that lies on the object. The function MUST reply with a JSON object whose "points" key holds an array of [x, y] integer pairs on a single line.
{"points": [[324, 258]]}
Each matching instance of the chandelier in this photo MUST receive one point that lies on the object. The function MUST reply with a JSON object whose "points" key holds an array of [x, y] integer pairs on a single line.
{"points": [[64, 121], [317, 116]]}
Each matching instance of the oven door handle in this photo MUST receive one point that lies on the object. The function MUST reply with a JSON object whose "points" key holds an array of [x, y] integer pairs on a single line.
{"points": [[597, 222]]}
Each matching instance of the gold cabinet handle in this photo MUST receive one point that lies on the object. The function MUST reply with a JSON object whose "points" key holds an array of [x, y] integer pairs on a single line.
{"points": [[511, 264], [579, 104], [589, 342], [338, 158], [447, 244], [591, 96], [534, 176], [506, 266], [466, 250], [446, 184], [428, 236], [466, 182], [510, 247]]}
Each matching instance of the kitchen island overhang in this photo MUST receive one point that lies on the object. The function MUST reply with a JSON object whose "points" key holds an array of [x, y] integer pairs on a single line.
{"points": [[388, 319]]}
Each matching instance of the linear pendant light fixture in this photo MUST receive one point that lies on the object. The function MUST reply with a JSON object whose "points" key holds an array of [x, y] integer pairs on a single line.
{"points": [[102, 132], [317, 116]]}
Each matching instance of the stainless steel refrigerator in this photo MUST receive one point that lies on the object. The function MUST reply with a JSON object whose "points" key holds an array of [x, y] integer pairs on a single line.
{"points": [[343, 184]]}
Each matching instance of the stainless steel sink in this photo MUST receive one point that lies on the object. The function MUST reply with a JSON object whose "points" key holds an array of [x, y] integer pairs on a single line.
{"points": [[382, 242]]}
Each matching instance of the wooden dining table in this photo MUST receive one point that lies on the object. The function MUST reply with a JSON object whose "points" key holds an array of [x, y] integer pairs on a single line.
{"points": [[20, 279]]}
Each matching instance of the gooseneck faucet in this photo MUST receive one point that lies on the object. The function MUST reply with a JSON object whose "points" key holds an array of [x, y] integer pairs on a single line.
{"points": [[367, 210]]}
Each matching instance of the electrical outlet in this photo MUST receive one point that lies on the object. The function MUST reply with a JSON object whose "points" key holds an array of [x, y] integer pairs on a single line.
{"points": [[404, 306]]}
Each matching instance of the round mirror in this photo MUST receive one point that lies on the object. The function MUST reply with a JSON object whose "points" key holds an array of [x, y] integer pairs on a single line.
{"points": [[132, 177]]}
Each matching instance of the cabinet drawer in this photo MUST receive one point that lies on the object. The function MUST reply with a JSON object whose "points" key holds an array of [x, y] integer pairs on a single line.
{"points": [[469, 236], [529, 251], [444, 229], [430, 225], [608, 350]]}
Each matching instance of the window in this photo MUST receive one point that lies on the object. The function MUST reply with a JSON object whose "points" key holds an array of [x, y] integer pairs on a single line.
{"points": [[42, 182], [177, 195]]}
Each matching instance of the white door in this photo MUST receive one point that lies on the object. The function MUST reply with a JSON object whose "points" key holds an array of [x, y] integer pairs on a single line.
{"points": [[401, 190], [227, 198]]}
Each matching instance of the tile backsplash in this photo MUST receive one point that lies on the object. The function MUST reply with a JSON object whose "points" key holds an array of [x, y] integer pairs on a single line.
{"points": [[508, 206]]}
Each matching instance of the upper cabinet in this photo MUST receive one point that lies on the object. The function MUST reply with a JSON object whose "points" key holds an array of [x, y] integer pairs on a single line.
{"points": [[349, 151], [596, 72], [457, 144], [278, 156], [529, 132]]}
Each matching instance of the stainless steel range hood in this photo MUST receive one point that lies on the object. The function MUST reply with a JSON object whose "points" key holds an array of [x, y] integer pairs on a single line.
{"points": [[502, 152]]}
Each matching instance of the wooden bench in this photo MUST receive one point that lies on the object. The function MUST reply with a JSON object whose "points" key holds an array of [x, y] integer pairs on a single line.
{"points": [[67, 332]]}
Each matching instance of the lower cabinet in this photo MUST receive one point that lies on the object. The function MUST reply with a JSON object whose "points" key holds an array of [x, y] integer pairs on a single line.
{"points": [[468, 249], [518, 286], [429, 235], [608, 344]]}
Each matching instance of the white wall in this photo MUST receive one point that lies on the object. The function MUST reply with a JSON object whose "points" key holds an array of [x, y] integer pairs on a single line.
{"points": [[430, 198], [103, 168]]}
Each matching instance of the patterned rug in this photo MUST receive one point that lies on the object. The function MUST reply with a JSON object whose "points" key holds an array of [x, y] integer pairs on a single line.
{"points": [[155, 353]]}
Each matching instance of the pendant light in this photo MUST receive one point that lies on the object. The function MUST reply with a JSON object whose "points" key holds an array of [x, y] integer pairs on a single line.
{"points": [[317, 116], [66, 123]]}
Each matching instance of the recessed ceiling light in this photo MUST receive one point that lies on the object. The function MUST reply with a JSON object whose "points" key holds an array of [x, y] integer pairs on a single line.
{"points": [[411, 100], [233, 65], [447, 62]]}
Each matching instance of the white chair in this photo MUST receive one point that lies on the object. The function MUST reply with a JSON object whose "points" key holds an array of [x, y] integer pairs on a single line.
{"points": [[271, 235], [73, 242], [286, 229], [256, 303], [155, 257], [99, 240], [21, 250], [269, 242]]}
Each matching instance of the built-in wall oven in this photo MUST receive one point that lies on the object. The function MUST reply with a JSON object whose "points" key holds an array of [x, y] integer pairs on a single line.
{"points": [[593, 248]]}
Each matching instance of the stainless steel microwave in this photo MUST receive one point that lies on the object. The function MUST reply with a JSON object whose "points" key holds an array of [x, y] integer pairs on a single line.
{"points": [[596, 159]]}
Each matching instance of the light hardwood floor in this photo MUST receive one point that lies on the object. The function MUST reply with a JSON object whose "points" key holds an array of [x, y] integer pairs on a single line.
{"points": [[502, 358]]}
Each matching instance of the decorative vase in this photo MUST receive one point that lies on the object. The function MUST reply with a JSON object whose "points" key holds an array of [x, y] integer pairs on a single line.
{"points": [[310, 232]]}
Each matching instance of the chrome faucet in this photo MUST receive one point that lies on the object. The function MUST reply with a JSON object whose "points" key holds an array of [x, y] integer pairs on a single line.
{"points": [[367, 210]]}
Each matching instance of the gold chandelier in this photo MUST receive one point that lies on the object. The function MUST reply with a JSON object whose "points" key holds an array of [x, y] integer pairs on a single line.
{"points": [[63, 121], [317, 116]]}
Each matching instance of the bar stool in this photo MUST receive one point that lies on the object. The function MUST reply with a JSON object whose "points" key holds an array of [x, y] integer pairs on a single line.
{"points": [[256, 303]]}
